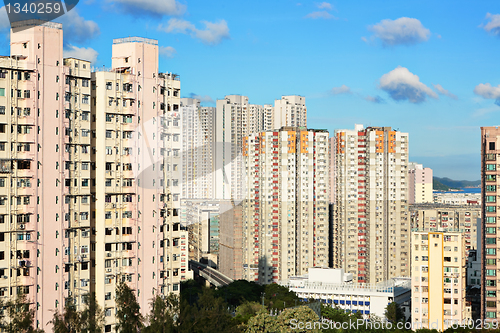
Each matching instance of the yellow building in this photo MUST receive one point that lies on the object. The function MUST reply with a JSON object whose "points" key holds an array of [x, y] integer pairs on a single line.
{"points": [[438, 270]]}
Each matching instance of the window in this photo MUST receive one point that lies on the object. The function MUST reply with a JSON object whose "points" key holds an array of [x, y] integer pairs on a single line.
{"points": [[85, 99], [109, 85], [85, 82], [2, 92], [491, 272], [492, 145]]}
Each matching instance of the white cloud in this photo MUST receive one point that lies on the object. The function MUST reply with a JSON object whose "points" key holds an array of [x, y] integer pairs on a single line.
{"points": [[403, 85], [325, 5], [343, 89], [402, 31], [4, 19], [155, 7], [320, 15], [444, 92], [167, 51], [84, 53], [202, 99], [489, 92], [493, 26], [212, 34], [77, 29], [375, 99]]}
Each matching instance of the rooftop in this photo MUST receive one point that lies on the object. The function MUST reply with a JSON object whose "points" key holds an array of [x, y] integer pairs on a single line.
{"points": [[34, 23], [135, 40]]}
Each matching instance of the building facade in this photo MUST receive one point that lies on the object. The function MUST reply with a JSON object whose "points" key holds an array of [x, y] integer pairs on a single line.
{"points": [[83, 159], [333, 287], [139, 238], [45, 181], [438, 274], [371, 203], [432, 217], [490, 197], [285, 211], [420, 188]]}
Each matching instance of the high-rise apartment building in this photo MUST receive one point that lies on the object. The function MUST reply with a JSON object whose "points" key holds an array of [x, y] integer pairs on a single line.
{"points": [[83, 158], [198, 142], [45, 181], [371, 203], [420, 184], [236, 118], [137, 124], [285, 211], [290, 111], [490, 192], [438, 271]]}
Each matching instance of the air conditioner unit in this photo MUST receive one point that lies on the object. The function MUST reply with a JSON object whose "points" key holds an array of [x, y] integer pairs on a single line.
{"points": [[69, 293], [114, 205], [22, 227], [84, 256], [108, 254], [108, 270]]}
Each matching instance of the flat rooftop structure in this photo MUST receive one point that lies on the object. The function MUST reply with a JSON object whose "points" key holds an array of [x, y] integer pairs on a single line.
{"points": [[34, 23], [135, 40]]}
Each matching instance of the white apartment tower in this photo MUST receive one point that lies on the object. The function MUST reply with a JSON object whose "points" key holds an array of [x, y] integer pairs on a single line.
{"points": [[371, 203], [198, 137], [285, 211]]}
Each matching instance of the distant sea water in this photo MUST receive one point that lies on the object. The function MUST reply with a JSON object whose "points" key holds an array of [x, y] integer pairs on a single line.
{"points": [[464, 190]]}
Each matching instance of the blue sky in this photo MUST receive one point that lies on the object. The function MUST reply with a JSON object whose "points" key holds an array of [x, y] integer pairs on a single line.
{"points": [[429, 68]]}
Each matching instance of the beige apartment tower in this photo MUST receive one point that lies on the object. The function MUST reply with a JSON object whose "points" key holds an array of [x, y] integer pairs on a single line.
{"points": [[438, 271], [490, 198], [285, 211], [371, 203]]}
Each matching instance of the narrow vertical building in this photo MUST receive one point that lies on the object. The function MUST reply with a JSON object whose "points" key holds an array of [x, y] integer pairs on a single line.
{"points": [[420, 184], [438, 270], [285, 211], [490, 197], [45, 182], [371, 203], [139, 238]]}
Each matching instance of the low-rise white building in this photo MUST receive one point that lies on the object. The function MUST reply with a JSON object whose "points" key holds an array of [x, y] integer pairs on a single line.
{"points": [[333, 286]]}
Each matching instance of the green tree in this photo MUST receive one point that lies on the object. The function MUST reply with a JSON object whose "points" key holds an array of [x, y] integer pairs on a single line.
{"points": [[163, 313], [287, 321], [263, 323], [393, 313], [209, 315], [239, 292], [20, 315], [69, 321], [128, 313], [247, 310], [279, 297], [92, 315]]}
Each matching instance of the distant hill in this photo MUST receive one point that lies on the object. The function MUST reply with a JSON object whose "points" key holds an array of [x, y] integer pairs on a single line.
{"points": [[453, 184], [438, 186]]}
